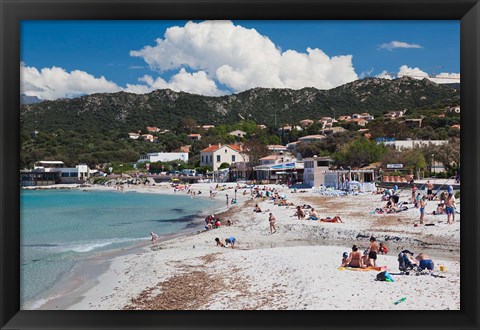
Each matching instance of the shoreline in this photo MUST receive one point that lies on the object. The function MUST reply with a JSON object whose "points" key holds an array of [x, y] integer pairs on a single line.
{"points": [[251, 231]]}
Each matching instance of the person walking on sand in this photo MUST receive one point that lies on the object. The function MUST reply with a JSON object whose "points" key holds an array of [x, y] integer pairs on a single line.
{"points": [[227, 199], [414, 190], [422, 204], [374, 248], [450, 208], [272, 220], [154, 237]]}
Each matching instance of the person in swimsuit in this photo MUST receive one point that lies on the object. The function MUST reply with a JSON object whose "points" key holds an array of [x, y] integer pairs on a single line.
{"points": [[344, 259], [300, 214], [257, 209], [374, 248], [334, 219], [425, 262], [354, 260], [450, 208], [272, 220], [422, 204]]}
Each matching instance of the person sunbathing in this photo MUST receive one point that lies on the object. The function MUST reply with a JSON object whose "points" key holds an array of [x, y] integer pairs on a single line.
{"points": [[334, 219], [354, 260]]}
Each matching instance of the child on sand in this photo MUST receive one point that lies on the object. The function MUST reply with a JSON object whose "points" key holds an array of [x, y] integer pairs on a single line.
{"points": [[313, 215], [219, 242], [383, 249], [231, 240], [374, 247], [272, 220], [344, 259]]}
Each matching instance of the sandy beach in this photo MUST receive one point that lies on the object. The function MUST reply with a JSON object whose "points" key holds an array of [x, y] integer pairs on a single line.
{"points": [[295, 268]]}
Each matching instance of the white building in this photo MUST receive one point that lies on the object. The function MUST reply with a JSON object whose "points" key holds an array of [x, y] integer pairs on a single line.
{"points": [[314, 169], [238, 133], [163, 157], [215, 155], [410, 144], [76, 174]]}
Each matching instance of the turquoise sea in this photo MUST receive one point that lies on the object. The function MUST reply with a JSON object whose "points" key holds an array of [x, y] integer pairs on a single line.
{"points": [[61, 227]]}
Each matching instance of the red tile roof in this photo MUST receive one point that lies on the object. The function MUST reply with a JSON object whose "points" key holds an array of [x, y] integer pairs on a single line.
{"points": [[215, 147]]}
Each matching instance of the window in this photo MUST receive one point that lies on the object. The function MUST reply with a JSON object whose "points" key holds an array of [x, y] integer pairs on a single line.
{"points": [[233, 158], [202, 159], [218, 158]]}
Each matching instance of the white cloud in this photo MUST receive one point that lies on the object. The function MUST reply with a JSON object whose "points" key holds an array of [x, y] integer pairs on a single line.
{"points": [[398, 44], [52, 83], [242, 58], [384, 74], [417, 73], [195, 83]]}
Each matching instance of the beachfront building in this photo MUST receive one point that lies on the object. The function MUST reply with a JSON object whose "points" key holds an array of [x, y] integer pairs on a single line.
{"points": [[48, 172], [359, 180], [154, 157], [314, 169], [279, 172], [215, 155]]}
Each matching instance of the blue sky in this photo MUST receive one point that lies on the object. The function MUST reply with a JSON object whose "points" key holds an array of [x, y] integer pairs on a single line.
{"points": [[72, 58]]}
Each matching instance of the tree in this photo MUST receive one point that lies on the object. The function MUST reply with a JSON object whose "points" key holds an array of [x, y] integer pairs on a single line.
{"points": [[360, 152], [224, 165], [255, 150]]}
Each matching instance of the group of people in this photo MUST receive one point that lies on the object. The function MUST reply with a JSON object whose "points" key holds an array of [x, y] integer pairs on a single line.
{"points": [[369, 258], [211, 222]]}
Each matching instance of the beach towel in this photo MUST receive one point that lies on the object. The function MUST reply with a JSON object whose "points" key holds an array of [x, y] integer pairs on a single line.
{"points": [[378, 268]]}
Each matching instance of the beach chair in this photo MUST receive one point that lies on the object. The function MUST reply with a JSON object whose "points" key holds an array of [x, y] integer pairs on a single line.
{"points": [[404, 263]]}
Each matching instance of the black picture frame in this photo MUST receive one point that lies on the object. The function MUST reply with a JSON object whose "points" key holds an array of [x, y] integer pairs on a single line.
{"points": [[13, 11]]}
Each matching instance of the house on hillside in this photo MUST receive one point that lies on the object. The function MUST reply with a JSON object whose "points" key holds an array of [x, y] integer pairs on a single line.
{"points": [[332, 130], [261, 126], [207, 127], [276, 159], [395, 114], [238, 133], [133, 136], [147, 137], [305, 122], [344, 118], [277, 148], [414, 122], [215, 155], [194, 136], [153, 129], [457, 126], [311, 138]]}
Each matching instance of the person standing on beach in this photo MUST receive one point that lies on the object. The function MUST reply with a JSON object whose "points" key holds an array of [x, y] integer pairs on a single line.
{"points": [[429, 190], [272, 220], [227, 199], [450, 208], [422, 204], [414, 190], [374, 248]]}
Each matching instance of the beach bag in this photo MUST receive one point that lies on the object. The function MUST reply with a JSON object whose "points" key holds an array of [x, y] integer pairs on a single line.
{"points": [[381, 276], [384, 276]]}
